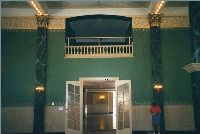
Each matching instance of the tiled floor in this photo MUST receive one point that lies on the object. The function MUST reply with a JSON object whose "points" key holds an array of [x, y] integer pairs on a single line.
{"points": [[143, 132], [185, 132]]}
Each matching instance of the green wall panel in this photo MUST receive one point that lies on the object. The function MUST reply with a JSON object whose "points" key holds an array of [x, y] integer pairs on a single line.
{"points": [[18, 67], [61, 70], [176, 53]]}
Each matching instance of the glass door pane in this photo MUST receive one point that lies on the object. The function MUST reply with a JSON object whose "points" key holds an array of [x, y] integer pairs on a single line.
{"points": [[73, 108], [123, 89]]}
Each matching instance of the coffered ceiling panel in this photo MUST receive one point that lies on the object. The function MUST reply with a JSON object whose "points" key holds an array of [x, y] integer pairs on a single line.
{"points": [[177, 4], [96, 4], [15, 4]]}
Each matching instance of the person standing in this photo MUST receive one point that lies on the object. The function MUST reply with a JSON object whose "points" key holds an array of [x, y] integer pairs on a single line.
{"points": [[155, 113]]}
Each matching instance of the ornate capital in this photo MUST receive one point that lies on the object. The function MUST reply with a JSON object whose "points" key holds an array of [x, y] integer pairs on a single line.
{"points": [[154, 19], [42, 21]]}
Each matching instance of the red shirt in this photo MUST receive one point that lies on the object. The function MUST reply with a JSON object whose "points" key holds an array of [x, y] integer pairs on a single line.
{"points": [[155, 109]]}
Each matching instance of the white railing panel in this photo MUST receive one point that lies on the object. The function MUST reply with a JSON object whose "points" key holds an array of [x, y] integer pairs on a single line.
{"points": [[109, 51]]}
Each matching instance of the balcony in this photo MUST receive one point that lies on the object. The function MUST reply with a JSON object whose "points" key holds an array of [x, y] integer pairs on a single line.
{"points": [[98, 47]]}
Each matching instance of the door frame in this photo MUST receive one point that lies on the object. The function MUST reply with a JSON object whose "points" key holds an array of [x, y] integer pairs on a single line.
{"points": [[81, 81]]}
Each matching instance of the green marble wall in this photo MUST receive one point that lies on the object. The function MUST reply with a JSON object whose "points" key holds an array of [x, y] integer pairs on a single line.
{"points": [[18, 67], [176, 53]]}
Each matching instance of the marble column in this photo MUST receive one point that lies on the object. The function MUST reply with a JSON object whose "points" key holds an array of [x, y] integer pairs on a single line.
{"points": [[40, 85], [156, 64], [194, 67]]}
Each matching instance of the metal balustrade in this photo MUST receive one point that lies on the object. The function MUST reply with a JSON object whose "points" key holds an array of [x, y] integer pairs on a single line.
{"points": [[98, 50]]}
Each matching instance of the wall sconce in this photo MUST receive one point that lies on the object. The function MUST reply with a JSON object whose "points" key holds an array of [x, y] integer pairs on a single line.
{"points": [[101, 97], [39, 89], [158, 87]]}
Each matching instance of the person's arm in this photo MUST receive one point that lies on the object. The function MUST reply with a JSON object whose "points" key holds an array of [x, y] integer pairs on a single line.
{"points": [[151, 110], [159, 110]]}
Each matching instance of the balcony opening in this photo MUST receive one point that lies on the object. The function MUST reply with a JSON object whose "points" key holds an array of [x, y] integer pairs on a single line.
{"points": [[98, 36]]}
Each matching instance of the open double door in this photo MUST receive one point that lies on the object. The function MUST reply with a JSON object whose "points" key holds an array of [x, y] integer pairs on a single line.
{"points": [[75, 109]]}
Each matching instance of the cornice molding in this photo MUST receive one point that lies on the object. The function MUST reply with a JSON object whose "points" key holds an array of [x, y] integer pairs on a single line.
{"points": [[174, 21], [18, 23], [59, 22], [192, 67]]}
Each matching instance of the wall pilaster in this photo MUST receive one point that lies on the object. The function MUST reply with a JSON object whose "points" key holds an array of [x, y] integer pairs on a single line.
{"points": [[156, 64], [194, 67], [40, 84]]}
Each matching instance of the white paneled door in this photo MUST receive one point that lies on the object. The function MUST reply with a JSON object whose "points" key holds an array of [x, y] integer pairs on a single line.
{"points": [[123, 103], [73, 121]]}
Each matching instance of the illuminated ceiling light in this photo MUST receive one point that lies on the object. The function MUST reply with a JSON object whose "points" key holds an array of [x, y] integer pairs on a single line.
{"points": [[37, 7], [32, 2], [158, 7]]}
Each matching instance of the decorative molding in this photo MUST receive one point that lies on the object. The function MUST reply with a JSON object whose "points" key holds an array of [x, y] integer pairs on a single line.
{"points": [[18, 23], [192, 67], [140, 22], [174, 21], [19, 30], [57, 23]]}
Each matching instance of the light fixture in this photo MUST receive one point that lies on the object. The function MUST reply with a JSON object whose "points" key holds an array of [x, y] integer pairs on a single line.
{"points": [[37, 7], [39, 89], [158, 87], [101, 97], [158, 7]]}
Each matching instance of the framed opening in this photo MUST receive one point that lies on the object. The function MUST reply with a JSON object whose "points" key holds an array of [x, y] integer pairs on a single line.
{"points": [[98, 105]]}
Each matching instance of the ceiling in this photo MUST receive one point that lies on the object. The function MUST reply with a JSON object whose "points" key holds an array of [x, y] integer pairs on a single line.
{"points": [[91, 4], [121, 7]]}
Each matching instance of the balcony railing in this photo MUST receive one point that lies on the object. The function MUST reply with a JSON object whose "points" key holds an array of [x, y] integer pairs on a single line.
{"points": [[99, 49]]}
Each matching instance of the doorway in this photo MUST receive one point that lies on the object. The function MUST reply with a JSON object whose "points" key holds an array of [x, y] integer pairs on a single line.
{"points": [[98, 106]]}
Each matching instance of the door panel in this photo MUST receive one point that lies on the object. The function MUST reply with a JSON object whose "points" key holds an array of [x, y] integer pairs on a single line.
{"points": [[123, 103], [73, 123]]}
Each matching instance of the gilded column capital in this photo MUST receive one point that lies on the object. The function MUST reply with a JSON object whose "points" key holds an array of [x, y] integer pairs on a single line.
{"points": [[154, 19], [42, 21]]}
